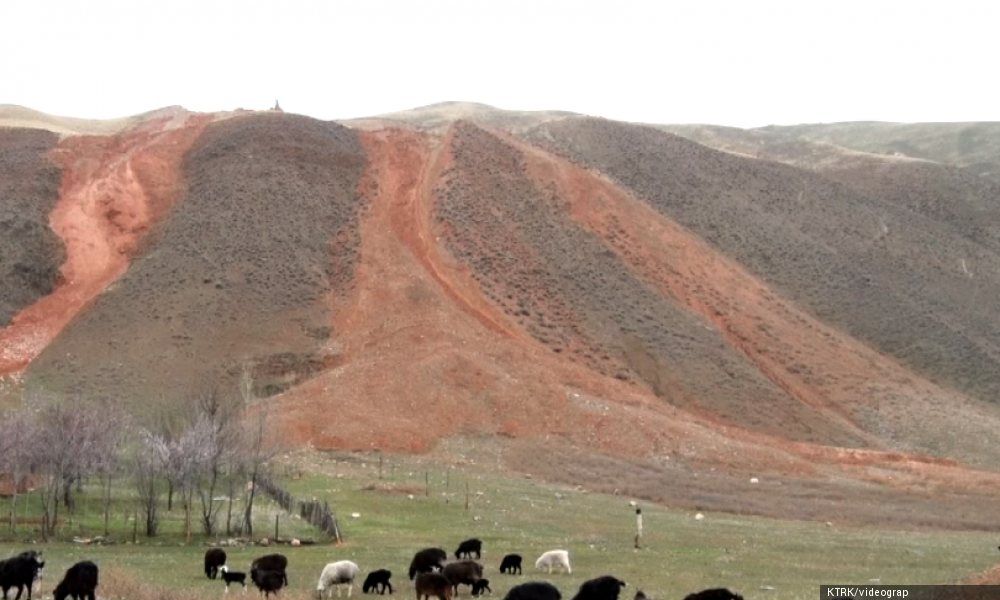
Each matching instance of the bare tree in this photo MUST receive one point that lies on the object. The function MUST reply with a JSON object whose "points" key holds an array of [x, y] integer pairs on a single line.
{"points": [[221, 413], [68, 444], [117, 426], [256, 447], [148, 467], [17, 432], [189, 455]]}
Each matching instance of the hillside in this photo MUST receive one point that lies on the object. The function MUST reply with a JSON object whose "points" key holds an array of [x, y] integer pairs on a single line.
{"points": [[438, 117], [654, 314], [972, 146]]}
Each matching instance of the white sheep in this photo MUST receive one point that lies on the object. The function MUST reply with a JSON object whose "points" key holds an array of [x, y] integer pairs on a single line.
{"points": [[554, 558], [336, 573]]}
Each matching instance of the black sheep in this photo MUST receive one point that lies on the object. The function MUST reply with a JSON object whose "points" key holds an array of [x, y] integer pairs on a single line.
{"points": [[511, 563], [480, 587], [714, 594], [214, 558], [605, 587], [20, 571], [268, 582], [534, 590], [463, 572], [271, 562], [80, 582], [468, 547], [432, 584], [426, 560], [377, 581]]}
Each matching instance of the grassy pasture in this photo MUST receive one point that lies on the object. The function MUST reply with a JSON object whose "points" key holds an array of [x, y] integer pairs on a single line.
{"points": [[516, 514]]}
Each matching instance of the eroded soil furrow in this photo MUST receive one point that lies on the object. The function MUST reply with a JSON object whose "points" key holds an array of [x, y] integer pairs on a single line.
{"points": [[113, 190]]}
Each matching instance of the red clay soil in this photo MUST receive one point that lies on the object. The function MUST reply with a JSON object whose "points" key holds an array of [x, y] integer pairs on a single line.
{"points": [[422, 358], [426, 356], [114, 188], [839, 377]]}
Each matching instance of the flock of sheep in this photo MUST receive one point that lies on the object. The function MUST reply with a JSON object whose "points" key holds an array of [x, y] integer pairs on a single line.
{"points": [[434, 576]]}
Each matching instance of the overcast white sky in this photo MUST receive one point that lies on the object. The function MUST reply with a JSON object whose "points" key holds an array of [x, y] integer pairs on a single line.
{"points": [[744, 63]]}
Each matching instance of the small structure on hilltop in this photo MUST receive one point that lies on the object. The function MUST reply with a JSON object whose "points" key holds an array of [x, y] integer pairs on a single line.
{"points": [[277, 106]]}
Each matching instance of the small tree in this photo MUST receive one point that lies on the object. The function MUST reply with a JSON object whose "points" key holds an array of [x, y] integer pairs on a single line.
{"points": [[68, 445], [222, 415], [256, 447], [17, 432], [148, 466]]}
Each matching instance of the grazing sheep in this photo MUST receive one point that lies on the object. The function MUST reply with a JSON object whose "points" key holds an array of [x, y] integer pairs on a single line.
{"points": [[640, 595], [233, 577], [377, 581], [554, 558], [271, 562], [534, 590], [480, 587], [426, 560], [268, 582], [80, 582], [714, 594], [214, 558], [466, 572], [605, 587], [432, 584], [20, 571], [469, 546], [511, 563], [337, 573]]}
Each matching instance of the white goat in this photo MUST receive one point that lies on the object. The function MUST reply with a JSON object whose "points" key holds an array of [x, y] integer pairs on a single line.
{"points": [[554, 558], [336, 573]]}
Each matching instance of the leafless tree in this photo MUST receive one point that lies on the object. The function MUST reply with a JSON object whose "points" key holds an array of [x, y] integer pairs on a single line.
{"points": [[17, 432], [190, 455], [223, 416], [257, 447], [149, 462], [117, 427], [69, 444]]}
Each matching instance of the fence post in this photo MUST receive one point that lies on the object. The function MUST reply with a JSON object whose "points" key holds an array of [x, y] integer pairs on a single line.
{"points": [[275, 529], [638, 528], [427, 484]]}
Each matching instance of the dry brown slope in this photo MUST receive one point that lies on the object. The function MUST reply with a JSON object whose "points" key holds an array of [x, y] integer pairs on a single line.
{"points": [[440, 116], [973, 146], [818, 242], [30, 253], [241, 270]]}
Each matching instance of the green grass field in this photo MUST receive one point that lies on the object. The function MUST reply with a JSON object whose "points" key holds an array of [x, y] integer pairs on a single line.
{"points": [[760, 558]]}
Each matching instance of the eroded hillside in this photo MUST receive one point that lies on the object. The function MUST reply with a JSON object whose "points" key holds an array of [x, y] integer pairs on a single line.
{"points": [[653, 314]]}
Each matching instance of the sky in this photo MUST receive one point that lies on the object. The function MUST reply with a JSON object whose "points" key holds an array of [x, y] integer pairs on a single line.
{"points": [[742, 63]]}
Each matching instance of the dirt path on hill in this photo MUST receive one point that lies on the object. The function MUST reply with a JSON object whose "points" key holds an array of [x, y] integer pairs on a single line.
{"points": [[113, 190], [409, 168]]}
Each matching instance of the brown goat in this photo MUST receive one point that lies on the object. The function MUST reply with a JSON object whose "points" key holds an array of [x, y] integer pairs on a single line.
{"points": [[433, 584]]}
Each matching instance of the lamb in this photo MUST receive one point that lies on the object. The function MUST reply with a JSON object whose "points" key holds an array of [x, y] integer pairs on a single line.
{"points": [[271, 562], [640, 595], [337, 573], [233, 577], [605, 587], [427, 560], [554, 558], [466, 572], [268, 582], [432, 584], [511, 563], [377, 581], [20, 571], [469, 546], [214, 558], [714, 594], [480, 587], [534, 590], [80, 582]]}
